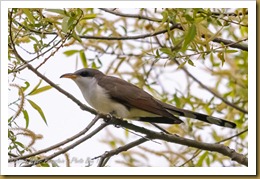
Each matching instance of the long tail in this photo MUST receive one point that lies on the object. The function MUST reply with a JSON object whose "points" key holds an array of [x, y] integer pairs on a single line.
{"points": [[199, 116]]}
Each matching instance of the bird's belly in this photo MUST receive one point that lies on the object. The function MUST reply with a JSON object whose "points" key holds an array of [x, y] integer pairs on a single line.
{"points": [[100, 100]]}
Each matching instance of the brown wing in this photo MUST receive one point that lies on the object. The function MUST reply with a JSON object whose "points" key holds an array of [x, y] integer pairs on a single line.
{"points": [[132, 96]]}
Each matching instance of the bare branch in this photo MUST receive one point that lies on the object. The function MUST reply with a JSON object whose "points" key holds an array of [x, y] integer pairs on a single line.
{"points": [[218, 40], [46, 159], [231, 43], [211, 91], [226, 151], [91, 124], [131, 15], [198, 151], [107, 155]]}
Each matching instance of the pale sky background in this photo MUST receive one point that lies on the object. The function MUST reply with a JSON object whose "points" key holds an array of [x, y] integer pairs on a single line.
{"points": [[65, 118]]}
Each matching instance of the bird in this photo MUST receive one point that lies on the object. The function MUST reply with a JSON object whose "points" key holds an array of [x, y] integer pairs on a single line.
{"points": [[115, 96]]}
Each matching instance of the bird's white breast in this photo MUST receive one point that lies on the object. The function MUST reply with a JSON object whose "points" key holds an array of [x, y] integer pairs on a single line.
{"points": [[97, 97]]}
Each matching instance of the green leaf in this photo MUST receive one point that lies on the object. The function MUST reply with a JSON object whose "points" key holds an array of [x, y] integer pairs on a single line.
{"points": [[75, 36], [221, 57], [189, 18], [208, 161], [58, 11], [157, 53], [29, 15], [71, 23], [165, 16], [167, 51], [36, 87], [191, 62], [64, 25], [231, 51], [19, 143], [190, 35], [42, 89], [177, 100], [83, 58], [27, 84], [182, 65], [89, 16], [44, 164], [70, 52], [202, 158], [38, 108], [26, 117], [94, 65]]}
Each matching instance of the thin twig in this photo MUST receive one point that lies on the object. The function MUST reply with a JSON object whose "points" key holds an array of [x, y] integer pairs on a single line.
{"points": [[109, 154], [211, 91], [83, 139], [198, 151], [131, 15], [91, 124], [218, 40], [222, 149]]}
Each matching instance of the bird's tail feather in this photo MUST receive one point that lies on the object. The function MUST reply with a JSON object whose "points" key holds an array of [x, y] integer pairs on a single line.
{"points": [[163, 120], [199, 116]]}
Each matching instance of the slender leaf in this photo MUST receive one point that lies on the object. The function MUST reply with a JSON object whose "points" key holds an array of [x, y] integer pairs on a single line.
{"points": [[27, 84], [19, 143], [64, 25], [83, 58], [71, 22], [70, 52], [182, 65], [231, 51], [42, 89], [29, 15], [202, 158], [58, 11], [26, 117], [44, 164], [38, 108], [36, 87], [189, 36], [167, 51], [191, 62], [221, 57], [89, 16], [75, 36]]}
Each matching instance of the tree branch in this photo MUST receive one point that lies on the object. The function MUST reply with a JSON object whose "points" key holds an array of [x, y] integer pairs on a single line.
{"points": [[107, 155], [198, 151], [211, 91], [226, 151], [231, 43], [91, 124], [131, 15], [151, 134], [178, 26], [91, 134]]}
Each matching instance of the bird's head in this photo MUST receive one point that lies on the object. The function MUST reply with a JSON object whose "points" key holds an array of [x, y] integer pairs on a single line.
{"points": [[83, 76], [82, 73]]}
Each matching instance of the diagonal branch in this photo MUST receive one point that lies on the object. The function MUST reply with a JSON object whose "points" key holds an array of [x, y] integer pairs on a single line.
{"points": [[222, 149], [83, 139], [211, 91], [107, 155], [91, 124], [229, 43], [138, 16]]}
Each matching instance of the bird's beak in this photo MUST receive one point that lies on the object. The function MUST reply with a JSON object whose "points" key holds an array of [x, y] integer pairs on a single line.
{"points": [[69, 75]]}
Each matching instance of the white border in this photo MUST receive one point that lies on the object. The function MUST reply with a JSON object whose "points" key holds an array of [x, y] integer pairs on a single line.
{"points": [[251, 170]]}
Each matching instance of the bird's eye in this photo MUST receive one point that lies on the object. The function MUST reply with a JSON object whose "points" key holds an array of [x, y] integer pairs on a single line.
{"points": [[84, 74]]}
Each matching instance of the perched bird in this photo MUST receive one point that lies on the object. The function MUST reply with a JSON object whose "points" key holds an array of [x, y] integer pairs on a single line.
{"points": [[115, 96]]}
